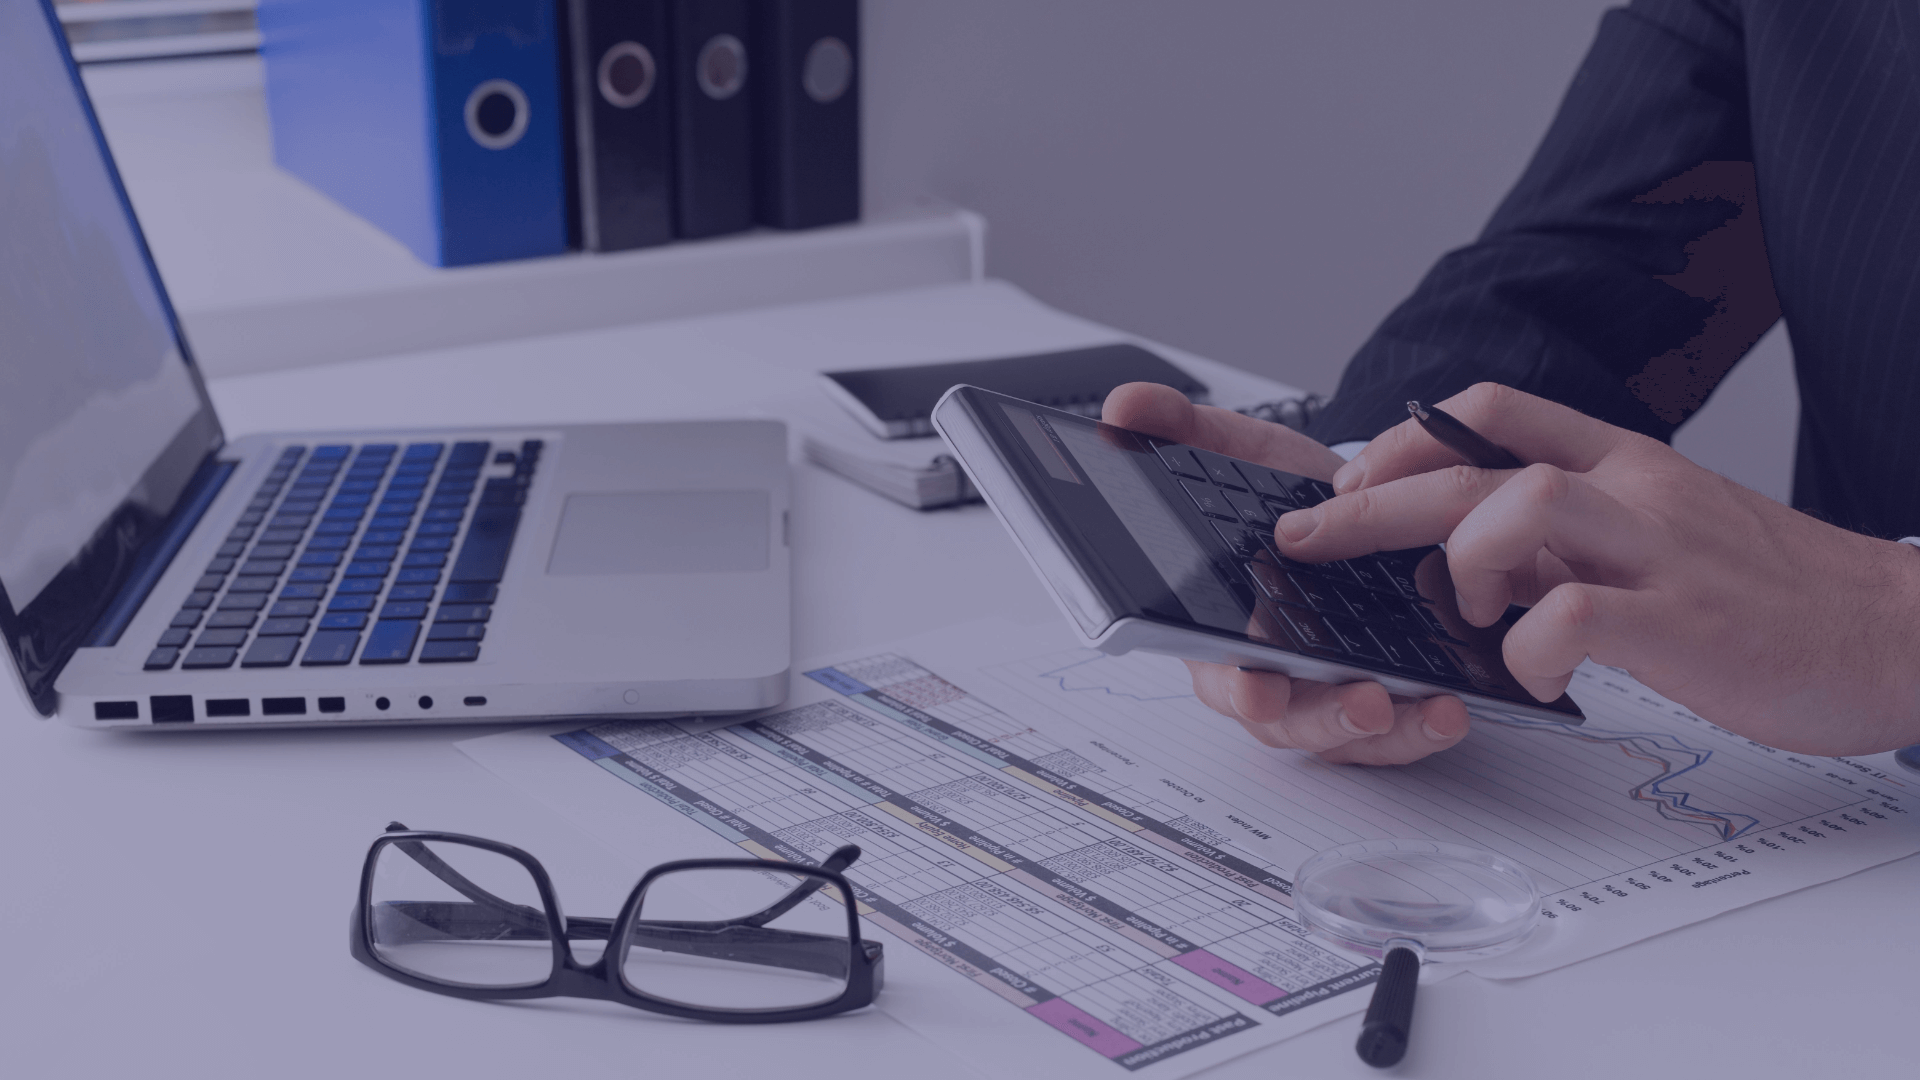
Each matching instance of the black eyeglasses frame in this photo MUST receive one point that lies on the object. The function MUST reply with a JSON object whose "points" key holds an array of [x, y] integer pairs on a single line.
{"points": [[601, 980]]}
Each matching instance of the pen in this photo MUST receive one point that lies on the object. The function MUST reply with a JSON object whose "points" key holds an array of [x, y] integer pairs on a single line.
{"points": [[1462, 439]]}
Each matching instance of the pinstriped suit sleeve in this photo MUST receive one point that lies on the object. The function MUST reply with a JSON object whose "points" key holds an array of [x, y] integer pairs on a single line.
{"points": [[1580, 284]]}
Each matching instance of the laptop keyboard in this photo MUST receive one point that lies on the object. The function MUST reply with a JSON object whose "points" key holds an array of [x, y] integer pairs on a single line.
{"points": [[1366, 610], [344, 553]]}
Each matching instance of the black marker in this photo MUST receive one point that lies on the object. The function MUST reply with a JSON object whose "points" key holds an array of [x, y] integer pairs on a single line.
{"points": [[1462, 439]]}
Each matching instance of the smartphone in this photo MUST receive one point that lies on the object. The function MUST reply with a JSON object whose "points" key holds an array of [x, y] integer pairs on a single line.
{"points": [[1151, 545]]}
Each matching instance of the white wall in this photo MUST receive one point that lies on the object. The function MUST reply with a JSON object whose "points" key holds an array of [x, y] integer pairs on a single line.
{"points": [[1259, 181]]}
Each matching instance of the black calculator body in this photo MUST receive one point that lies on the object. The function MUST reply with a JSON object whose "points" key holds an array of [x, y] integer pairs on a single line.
{"points": [[1166, 548]]}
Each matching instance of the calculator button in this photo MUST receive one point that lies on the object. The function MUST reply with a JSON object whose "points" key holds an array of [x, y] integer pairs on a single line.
{"points": [[1364, 573], [1398, 572], [1274, 584], [1400, 651], [1309, 630], [1440, 660], [1239, 541], [1319, 594], [1220, 470], [1355, 639], [1267, 484], [1358, 601], [1254, 512], [1210, 501]]}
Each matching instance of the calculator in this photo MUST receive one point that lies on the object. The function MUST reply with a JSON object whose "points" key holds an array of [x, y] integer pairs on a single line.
{"points": [[1154, 546]]}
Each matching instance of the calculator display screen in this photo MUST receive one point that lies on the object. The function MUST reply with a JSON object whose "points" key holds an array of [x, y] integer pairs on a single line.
{"points": [[1144, 513]]}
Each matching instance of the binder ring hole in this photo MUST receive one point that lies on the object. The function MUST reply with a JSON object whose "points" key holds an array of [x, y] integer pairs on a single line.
{"points": [[828, 70], [497, 114], [721, 68], [627, 73]]}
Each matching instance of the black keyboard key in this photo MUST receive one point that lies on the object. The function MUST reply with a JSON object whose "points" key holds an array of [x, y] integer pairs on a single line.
{"points": [[290, 521], [362, 602], [417, 577], [1321, 491], [1366, 573], [1179, 461], [249, 519], [231, 620], [391, 641], [281, 536], [483, 556], [186, 618], [1440, 660], [173, 638], [376, 552], [210, 582], [1268, 484], [336, 528], [351, 486], [283, 627], [221, 566], [384, 536], [470, 593], [293, 609], [247, 601], [1356, 640], [1359, 601], [1252, 511], [162, 658], [432, 543], [332, 542], [351, 498], [449, 652], [1220, 469], [358, 585], [457, 631], [1400, 651], [275, 567], [260, 583], [198, 600], [1430, 621], [440, 515], [393, 524], [1319, 594], [198, 658], [239, 534], [218, 638], [1398, 567], [312, 575], [463, 613], [330, 648], [271, 652], [410, 592], [367, 569], [232, 548], [303, 592], [1275, 584], [438, 528], [1241, 542], [299, 506], [404, 609], [1211, 501], [344, 620], [1309, 630], [417, 559], [344, 513], [310, 557]]}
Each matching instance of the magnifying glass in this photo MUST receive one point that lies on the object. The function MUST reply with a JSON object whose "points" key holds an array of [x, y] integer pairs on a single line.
{"points": [[1407, 901]]}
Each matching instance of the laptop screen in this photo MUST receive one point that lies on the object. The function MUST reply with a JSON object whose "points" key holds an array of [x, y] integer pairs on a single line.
{"points": [[102, 421]]}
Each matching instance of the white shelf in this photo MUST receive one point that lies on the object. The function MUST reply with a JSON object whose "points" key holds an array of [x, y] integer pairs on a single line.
{"points": [[268, 273]]}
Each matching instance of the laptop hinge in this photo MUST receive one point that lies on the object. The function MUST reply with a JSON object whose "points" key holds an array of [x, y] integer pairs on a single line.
{"points": [[159, 552]]}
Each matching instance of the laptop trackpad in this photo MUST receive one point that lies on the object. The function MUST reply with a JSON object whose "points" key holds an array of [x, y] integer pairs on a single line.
{"points": [[661, 532]]}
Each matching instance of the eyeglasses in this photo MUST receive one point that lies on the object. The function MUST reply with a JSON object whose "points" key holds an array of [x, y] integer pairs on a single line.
{"points": [[733, 940]]}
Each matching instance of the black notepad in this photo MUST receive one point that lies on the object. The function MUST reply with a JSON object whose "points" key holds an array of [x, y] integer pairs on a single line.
{"points": [[896, 403]]}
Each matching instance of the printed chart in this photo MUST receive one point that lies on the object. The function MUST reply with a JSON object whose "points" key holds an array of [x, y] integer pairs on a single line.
{"points": [[1632, 823], [1003, 855]]}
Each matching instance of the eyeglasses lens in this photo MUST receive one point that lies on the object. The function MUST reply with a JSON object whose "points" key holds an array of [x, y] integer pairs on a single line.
{"points": [[740, 938], [458, 914]]}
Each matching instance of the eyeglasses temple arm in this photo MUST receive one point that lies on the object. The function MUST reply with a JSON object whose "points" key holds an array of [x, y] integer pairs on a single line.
{"points": [[435, 865], [841, 859]]}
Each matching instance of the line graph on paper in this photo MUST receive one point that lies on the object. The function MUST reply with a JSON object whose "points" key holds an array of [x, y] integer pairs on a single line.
{"points": [[1630, 788]]}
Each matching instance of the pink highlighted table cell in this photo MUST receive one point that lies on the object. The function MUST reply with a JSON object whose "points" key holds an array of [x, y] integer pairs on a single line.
{"points": [[1077, 1022], [1237, 981]]}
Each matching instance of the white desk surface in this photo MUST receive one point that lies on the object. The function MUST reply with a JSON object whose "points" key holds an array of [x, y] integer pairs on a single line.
{"points": [[177, 906]]}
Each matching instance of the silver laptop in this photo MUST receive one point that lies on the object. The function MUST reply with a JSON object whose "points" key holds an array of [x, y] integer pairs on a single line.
{"points": [[155, 575]]}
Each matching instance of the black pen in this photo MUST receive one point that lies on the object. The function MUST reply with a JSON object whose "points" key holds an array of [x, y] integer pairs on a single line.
{"points": [[1462, 439]]}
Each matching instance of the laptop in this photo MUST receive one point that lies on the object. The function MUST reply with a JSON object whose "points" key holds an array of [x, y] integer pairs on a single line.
{"points": [[155, 575]]}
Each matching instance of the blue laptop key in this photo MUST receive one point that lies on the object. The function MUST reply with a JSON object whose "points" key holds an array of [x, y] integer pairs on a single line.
{"points": [[391, 641]]}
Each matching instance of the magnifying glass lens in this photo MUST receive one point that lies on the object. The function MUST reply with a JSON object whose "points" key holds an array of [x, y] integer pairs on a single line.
{"points": [[1408, 900]]}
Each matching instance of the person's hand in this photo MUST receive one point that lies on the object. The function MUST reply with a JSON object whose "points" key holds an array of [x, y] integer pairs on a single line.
{"points": [[1766, 621], [1353, 723]]}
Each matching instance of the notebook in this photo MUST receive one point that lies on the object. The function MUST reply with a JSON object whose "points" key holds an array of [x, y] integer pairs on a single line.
{"points": [[897, 403]]}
